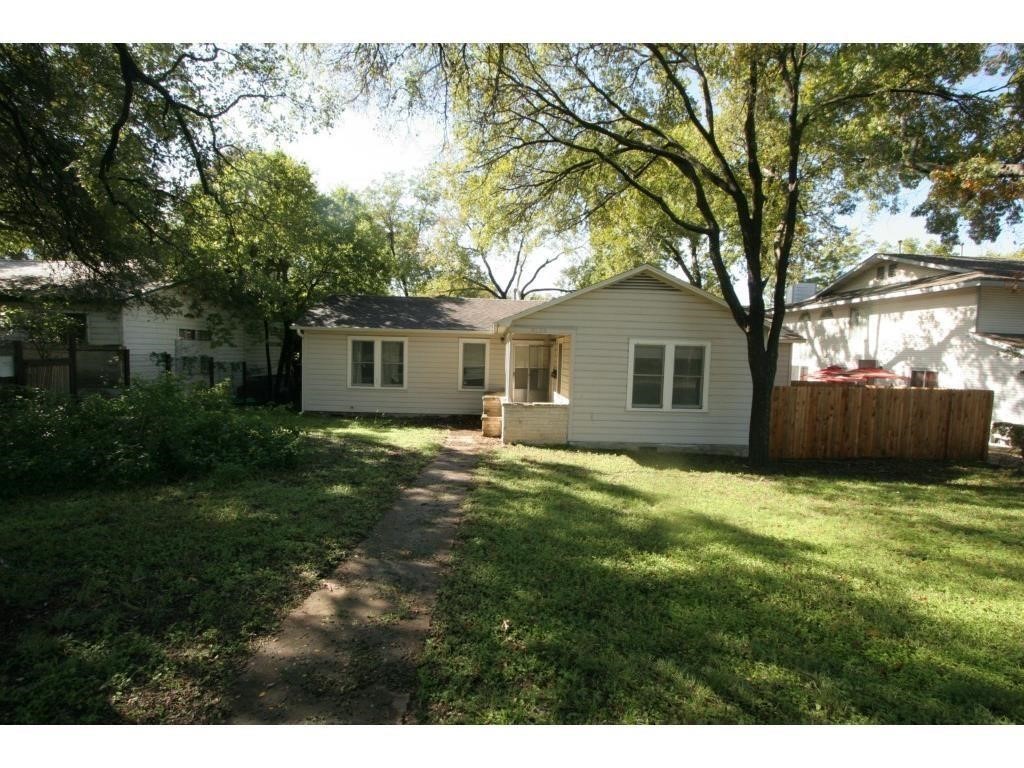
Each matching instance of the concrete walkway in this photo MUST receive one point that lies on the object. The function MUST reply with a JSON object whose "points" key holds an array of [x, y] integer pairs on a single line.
{"points": [[349, 653]]}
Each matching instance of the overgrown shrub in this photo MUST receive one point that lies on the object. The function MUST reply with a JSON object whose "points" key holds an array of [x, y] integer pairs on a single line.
{"points": [[154, 432]]}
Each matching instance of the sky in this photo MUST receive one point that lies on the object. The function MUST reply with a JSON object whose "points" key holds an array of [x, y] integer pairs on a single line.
{"points": [[363, 147]]}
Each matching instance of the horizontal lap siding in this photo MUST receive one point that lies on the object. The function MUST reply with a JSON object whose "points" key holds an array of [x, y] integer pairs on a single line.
{"points": [[927, 332], [604, 321], [1001, 310], [432, 376], [103, 326], [146, 332]]}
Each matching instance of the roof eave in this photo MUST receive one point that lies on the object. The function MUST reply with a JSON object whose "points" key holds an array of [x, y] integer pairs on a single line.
{"points": [[956, 286]]}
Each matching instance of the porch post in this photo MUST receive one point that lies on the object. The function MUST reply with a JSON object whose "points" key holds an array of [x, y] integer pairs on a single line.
{"points": [[508, 366]]}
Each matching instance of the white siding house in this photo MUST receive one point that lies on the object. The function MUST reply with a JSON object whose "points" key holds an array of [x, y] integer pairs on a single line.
{"points": [[961, 320], [640, 359], [179, 329]]}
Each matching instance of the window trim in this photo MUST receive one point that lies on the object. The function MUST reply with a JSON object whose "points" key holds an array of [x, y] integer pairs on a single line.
{"points": [[668, 375], [487, 365], [377, 367]]}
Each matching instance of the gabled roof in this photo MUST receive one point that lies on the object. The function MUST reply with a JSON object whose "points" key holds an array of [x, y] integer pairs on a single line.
{"points": [[950, 272], [647, 269], [420, 313], [411, 313]]}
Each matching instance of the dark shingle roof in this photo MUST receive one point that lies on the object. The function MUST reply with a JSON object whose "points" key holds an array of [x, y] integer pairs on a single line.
{"points": [[992, 267], [411, 313], [21, 276]]}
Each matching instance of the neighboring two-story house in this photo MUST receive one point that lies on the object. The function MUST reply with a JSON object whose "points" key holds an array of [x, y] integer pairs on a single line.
{"points": [[939, 321], [172, 333]]}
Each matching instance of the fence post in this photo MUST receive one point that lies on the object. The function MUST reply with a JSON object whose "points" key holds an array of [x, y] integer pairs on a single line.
{"points": [[73, 366], [19, 363], [126, 367]]}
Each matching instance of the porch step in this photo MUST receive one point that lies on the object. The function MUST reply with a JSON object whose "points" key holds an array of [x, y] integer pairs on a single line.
{"points": [[491, 425], [492, 405]]}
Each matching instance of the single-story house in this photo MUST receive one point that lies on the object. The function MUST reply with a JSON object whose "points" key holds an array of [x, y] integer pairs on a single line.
{"points": [[172, 333], [642, 358], [937, 320]]}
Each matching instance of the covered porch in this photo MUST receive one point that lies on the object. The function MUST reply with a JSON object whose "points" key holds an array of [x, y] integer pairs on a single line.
{"points": [[534, 406]]}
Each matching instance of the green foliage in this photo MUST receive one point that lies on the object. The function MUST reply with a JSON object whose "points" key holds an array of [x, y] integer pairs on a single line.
{"points": [[655, 588], [140, 604], [1016, 435], [42, 322], [154, 432], [273, 245], [105, 140]]}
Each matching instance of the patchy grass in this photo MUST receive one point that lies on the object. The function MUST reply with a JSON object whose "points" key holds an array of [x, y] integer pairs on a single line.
{"points": [[654, 588], [138, 605]]}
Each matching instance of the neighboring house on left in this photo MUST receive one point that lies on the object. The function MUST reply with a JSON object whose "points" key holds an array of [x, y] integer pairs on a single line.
{"points": [[117, 338]]}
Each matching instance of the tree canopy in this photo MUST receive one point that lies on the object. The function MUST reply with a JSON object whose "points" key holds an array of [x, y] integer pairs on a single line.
{"points": [[270, 246], [103, 142]]}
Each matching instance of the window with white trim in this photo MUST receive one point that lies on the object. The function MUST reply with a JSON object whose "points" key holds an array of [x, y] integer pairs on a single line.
{"points": [[472, 364], [392, 363], [667, 375], [376, 362]]}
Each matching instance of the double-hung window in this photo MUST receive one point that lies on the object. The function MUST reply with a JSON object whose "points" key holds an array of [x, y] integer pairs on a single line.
{"points": [[472, 364], [377, 362], [667, 375]]}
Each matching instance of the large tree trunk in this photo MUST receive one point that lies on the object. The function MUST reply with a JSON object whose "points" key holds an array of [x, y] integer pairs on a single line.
{"points": [[762, 364], [284, 362]]}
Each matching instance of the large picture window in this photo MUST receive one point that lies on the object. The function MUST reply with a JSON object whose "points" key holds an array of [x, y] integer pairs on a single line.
{"points": [[667, 375], [377, 363], [472, 364]]}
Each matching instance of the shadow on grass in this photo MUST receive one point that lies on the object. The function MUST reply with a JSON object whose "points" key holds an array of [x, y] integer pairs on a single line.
{"points": [[138, 605], [576, 600]]}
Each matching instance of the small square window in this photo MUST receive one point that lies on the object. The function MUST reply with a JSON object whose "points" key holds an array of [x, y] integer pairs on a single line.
{"points": [[924, 378], [880, 272]]}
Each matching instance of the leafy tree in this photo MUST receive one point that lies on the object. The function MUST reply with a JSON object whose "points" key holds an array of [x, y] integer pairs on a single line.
{"points": [[104, 141], [977, 177], [272, 246], [445, 239], [751, 148], [407, 211], [44, 323]]}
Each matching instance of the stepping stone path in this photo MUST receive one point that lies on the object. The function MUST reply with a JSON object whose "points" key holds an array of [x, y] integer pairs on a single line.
{"points": [[349, 653]]}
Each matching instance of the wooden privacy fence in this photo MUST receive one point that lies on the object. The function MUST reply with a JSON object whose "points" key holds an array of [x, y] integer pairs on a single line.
{"points": [[843, 422]]}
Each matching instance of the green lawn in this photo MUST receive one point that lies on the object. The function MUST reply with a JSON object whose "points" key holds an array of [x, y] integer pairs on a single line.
{"points": [[646, 587], [138, 605]]}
